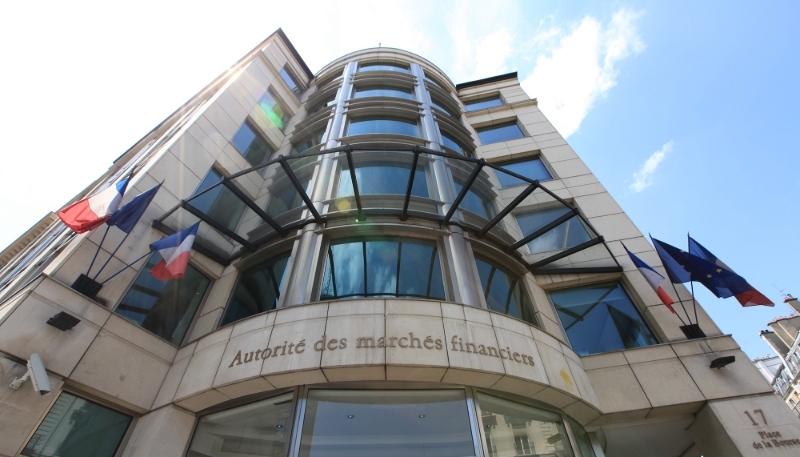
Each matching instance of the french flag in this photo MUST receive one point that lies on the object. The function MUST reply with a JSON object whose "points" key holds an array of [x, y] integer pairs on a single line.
{"points": [[653, 278], [91, 212], [174, 250]]}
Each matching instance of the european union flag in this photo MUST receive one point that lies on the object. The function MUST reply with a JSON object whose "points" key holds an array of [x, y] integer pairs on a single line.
{"points": [[676, 269]]}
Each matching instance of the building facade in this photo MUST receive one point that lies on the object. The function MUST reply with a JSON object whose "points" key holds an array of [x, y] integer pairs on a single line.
{"points": [[387, 264], [782, 370]]}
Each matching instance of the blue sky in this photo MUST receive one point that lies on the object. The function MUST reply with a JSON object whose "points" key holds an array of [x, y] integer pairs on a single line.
{"points": [[686, 112]]}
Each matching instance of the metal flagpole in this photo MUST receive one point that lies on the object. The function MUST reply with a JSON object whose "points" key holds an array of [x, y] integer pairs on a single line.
{"points": [[694, 302], [110, 257], [97, 251], [126, 267], [681, 302]]}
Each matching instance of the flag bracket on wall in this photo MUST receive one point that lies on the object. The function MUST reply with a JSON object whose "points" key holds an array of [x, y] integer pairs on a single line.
{"points": [[692, 331], [87, 286]]}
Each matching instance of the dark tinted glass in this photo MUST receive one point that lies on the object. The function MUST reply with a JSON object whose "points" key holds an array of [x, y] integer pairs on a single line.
{"points": [[257, 429], [531, 168], [165, 308], [391, 126], [251, 145], [390, 267], [327, 102], [455, 146], [286, 197], [75, 427], [289, 80], [501, 132], [513, 429], [399, 423], [383, 179], [483, 103], [566, 235], [504, 291], [601, 318], [308, 142], [258, 289], [442, 108], [374, 91], [383, 67], [219, 203], [582, 439], [475, 202], [276, 113]]}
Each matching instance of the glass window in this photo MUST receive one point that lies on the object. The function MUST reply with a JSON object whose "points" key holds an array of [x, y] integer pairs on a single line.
{"points": [[165, 308], [219, 203], [428, 79], [398, 423], [329, 101], [252, 145], [530, 168], [76, 427], [455, 146], [393, 126], [382, 267], [565, 235], [383, 67], [439, 106], [513, 429], [504, 291], [581, 438], [500, 132], [308, 142], [276, 113], [288, 78], [383, 91], [383, 178], [601, 318], [258, 289], [286, 197], [258, 429], [475, 202], [481, 103]]}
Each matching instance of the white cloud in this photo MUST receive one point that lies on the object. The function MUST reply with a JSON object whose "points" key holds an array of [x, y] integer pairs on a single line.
{"points": [[571, 74], [643, 178]]}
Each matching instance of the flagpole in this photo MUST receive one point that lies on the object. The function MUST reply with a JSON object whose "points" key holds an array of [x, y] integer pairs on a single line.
{"points": [[126, 267], [111, 256], [675, 289], [692, 283], [97, 251]]}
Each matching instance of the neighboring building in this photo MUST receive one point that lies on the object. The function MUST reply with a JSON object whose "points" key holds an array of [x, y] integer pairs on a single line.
{"points": [[413, 268], [783, 370]]}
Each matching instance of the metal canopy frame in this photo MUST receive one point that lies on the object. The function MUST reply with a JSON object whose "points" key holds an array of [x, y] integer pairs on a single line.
{"points": [[479, 164]]}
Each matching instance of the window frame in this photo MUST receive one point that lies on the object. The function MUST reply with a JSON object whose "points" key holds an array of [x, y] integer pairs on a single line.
{"points": [[527, 211], [406, 68], [500, 124], [190, 329], [94, 399], [637, 302], [427, 238], [343, 167], [253, 126], [376, 117], [527, 158], [216, 167], [501, 263], [382, 86], [482, 98], [281, 103], [300, 87]]}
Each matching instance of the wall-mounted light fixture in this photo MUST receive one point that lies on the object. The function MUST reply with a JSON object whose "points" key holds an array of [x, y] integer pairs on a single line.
{"points": [[722, 362], [63, 321]]}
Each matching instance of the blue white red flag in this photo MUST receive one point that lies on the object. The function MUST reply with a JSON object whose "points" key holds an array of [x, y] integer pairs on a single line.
{"points": [[127, 216], [175, 250], [653, 278], [91, 212], [748, 297]]}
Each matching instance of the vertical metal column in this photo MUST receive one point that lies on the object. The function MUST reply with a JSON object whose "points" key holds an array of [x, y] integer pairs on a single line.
{"points": [[307, 249]]}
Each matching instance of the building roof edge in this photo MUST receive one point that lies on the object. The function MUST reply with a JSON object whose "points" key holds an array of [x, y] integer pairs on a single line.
{"points": [[480, 82]]}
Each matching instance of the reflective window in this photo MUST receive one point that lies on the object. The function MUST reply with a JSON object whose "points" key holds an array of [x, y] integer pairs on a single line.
{"points": [[504, 291], [258, 429], [530, 168], [290, 81], [383, 91], [257, 290], [481, 103], [382, 267], [75, 427], [601, 318], [475, 202], [500, 132], [400, 423], [393, 126], [383, 67], [308, 142], [565, 235], [286, 197], [383, 178], [581, 438], [330, 101], [440, 107], [513, 429], [219, 203], [165, 308], [276, 113], [251, 145], [428, 79], [456, 146]]}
